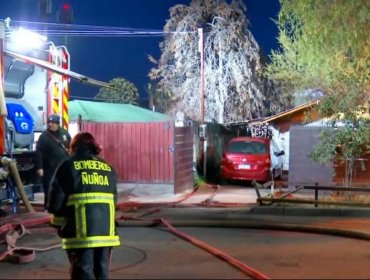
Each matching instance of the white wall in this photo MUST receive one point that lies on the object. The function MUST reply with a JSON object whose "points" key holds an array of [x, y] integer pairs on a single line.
{"points": [[282, 140], [73, 128]]}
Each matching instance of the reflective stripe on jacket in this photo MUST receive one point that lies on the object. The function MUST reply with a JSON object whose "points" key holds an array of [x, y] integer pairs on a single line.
{"points": [[84, 192], [86, 233]]}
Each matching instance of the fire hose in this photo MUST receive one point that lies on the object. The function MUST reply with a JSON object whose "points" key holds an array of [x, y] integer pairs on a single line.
{"points": [[218, 253], [208, 202], [12, 165], [13, 232], [123, 221], [140, 222], [23, 254]]}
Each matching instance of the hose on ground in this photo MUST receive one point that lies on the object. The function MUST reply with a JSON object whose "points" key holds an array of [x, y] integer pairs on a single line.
{"points": [[216, 252], [124, 221], [12, 232], [129, 204], [208, 202], [11, 164], [356, 234], [140, 222]]}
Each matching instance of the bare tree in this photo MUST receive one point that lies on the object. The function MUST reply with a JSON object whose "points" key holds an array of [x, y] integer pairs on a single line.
{"points": [[234, 88]]}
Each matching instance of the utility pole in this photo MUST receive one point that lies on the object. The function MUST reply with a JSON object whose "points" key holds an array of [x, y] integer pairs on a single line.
{"points": [[45, 9], [201, 51], [203, 126]]}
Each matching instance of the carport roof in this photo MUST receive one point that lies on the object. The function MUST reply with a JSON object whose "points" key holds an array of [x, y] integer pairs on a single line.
{"points": [[111, 112]]}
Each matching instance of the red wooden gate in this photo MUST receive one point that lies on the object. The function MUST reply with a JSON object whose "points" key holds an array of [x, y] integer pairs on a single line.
{"points": [[139, 152], [184, 174]]}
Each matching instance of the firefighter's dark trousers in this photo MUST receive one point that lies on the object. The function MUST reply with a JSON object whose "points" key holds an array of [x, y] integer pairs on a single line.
{"points": [[45, 185], [90, 263]]}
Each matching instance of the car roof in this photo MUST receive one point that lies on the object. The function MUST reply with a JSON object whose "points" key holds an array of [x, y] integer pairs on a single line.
{"points": [[244, 138]]}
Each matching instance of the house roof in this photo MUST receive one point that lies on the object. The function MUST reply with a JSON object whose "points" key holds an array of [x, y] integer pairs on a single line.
{"points": [[286, 113], [266, 120], [279, 116], [298, 109], [111, 112]]}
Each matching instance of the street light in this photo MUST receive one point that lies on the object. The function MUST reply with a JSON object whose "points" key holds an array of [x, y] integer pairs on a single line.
{"points": [[23, 42], [24, 38]]}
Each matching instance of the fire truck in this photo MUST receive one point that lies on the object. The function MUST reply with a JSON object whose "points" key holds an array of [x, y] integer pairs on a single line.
{"points": [[34, 82]]}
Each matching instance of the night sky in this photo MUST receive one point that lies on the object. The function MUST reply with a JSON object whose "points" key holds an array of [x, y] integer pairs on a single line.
{"points": [[107, 58]]}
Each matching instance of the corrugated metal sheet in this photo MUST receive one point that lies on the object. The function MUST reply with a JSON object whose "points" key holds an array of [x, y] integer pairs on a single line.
{"points": [[361, 165], [184, 175], [93, 111], [337, 176], [140, 152], [302, 169]]}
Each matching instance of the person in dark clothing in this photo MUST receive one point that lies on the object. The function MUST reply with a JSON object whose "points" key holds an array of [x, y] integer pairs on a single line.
{"points": [[51, 149], [82, 200]]}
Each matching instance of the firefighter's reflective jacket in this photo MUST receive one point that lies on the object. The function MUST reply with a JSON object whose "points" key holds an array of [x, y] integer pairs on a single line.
{"points": [[82, 200]]}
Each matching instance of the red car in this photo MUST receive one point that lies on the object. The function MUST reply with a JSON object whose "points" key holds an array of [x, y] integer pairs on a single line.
{"points": [[251, 158]]}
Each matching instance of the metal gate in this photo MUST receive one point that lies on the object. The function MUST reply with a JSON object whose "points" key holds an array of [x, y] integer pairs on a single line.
{"points": [[302, 169]]}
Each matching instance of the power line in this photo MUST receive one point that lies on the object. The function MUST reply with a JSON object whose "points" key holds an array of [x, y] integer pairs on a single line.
{"points": [[83, 26], [57, 29], [102, 34]]}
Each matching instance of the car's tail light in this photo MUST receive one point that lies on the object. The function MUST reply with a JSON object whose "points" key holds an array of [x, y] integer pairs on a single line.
{"points": [[225, 161], [268, 161]]}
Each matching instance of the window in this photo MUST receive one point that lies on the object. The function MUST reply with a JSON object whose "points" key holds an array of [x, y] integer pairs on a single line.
{"points": [[247, 147]]}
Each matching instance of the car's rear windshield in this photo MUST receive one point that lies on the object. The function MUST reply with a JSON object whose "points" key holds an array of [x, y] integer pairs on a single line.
{"points": [[247, 147]]}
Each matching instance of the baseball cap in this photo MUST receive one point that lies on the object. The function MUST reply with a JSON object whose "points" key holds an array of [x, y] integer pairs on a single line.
{"points": [[53, 119]]}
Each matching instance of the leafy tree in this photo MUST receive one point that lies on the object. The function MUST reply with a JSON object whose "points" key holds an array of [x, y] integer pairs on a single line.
{"points": [[119, 91], [325, 46], [158, 100], [234, 89]]}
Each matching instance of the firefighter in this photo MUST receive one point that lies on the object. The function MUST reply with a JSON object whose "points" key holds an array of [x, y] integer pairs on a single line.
{"points": [[51, 148], [82, 199]]}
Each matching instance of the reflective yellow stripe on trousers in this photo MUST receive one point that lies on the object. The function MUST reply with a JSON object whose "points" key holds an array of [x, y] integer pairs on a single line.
{"points": [[90, 242]]}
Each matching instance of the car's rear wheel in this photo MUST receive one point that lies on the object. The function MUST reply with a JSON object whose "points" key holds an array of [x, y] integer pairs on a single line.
{"points": [[222, 181]]}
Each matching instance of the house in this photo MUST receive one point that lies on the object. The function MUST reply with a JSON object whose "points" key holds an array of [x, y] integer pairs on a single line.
{"points": [[145, 147], [297, 131], [280, 125]]}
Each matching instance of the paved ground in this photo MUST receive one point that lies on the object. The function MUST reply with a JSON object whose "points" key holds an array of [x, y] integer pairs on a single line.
{"points": [[233, 194], [149, 252], [272, 239]]}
